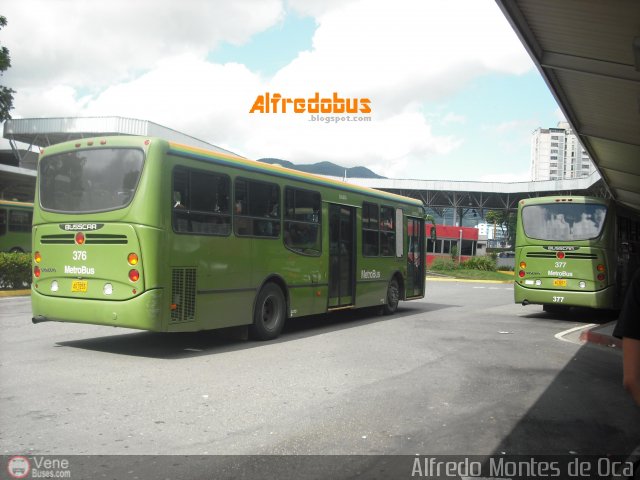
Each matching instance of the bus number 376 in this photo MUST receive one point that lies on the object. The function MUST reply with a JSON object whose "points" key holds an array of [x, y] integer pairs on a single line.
{"points": [[79, 255]]}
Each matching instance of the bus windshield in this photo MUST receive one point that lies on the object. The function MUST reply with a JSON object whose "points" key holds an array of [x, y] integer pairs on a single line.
{"points": [[563, 222], [91, 180]]}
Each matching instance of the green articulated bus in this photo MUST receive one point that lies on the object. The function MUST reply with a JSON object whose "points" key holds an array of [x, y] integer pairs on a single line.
{"points": [[574, 251], [144, 233], [15, 226]]}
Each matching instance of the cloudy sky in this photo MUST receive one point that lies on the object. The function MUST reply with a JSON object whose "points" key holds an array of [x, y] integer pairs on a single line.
{"points": [[453, 93]]}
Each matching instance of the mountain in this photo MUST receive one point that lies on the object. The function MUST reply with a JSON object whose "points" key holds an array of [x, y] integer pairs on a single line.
{"points": [[324, 168]]}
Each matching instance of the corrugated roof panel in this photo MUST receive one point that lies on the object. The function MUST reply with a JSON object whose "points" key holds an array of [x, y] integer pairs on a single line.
{"points": [[602, 105], [43, 132], [597, 30]]}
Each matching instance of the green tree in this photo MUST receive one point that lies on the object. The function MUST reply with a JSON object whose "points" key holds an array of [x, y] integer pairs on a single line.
{"points": [[496, 217], [6, 93], [505, 221]]}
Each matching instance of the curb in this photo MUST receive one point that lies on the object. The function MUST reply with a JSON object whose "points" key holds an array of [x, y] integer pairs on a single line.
{"points": [[467, 280], [14, 293], [599, 338]]}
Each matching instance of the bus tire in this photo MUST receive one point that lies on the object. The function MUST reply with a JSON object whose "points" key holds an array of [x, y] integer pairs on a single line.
{"points": [[269, 313], [393, 297], [16, 250]]}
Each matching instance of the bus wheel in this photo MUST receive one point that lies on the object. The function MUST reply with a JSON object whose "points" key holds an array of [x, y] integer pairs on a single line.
{"points": [[393, 297], [16, 250], [269, 313]]}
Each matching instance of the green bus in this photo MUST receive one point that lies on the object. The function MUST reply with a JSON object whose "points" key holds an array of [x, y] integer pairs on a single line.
{"points": [[574, 251], [15, 226], [144, 233]]}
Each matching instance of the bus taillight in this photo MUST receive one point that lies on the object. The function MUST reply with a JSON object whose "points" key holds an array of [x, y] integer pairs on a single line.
{"points": [[560, 255], [523, 265], [521, 273], [132, 259], [36, 271], [80, 238], [37, 257], [134, 275], [601, 268]]}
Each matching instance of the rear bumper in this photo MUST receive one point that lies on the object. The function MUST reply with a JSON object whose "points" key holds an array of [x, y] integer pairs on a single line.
{"points": [[600, 299], [145, 312]]}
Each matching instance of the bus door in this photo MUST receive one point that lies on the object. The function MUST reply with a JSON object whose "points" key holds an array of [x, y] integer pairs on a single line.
{"points": [[342, 246], [415, 258]]}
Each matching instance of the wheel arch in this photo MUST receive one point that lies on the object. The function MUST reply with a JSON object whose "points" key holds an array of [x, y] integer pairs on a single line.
{"points": [[400, 278], [280, 282]]}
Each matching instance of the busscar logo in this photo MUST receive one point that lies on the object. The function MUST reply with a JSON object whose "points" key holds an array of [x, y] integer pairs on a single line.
{"points": [[561, 248], [276, 103], [75, 227]]}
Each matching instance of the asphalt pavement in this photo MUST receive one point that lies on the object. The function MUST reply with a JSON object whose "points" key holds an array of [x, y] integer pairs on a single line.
{"points": [[463, 372]]}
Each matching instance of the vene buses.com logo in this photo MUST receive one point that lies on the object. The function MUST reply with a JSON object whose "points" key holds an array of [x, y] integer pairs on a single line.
{"points": [[18, 466], [276, 103]]}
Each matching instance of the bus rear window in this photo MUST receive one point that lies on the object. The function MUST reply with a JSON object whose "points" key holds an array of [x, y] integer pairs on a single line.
{"points": [[563, 222], [90, 180]]}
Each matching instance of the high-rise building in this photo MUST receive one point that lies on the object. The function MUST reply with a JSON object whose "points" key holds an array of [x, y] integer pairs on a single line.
{"points": [[557, 153]]}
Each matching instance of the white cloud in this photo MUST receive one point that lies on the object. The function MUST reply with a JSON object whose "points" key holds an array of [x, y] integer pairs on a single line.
{"points": [[90, 44], [54, 101], [151, 63], [406, 51]]}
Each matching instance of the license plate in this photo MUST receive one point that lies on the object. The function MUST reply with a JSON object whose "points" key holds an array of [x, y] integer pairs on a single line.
{"points": [[559, 283], [79, 286]]}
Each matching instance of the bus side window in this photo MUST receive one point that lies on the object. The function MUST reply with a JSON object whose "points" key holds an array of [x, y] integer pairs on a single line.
{"points": [[3, 221], [370, 230], [20, 221], [257, 208], [302, 221], [387, 232], [200, 202]]}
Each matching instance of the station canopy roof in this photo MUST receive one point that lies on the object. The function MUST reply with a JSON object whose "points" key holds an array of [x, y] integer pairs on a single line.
{"points": [[588, 52], [42, 132], [18, 183]]}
